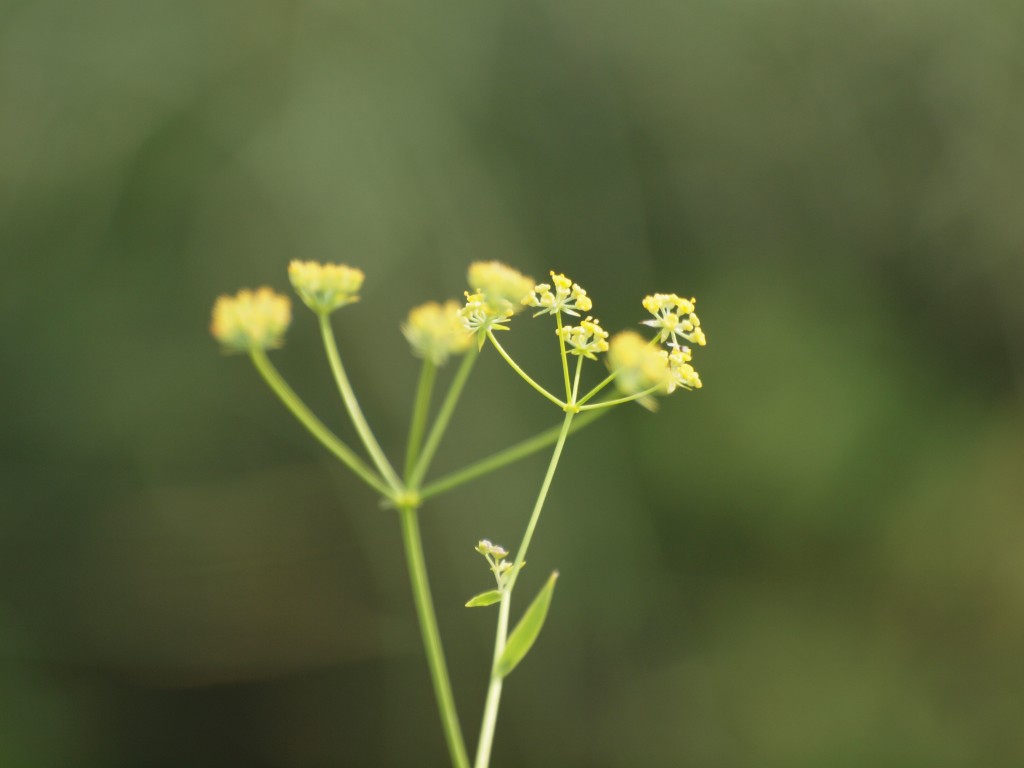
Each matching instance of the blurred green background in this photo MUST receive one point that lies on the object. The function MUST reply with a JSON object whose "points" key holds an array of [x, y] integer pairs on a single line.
{"points": [[816, 560]]}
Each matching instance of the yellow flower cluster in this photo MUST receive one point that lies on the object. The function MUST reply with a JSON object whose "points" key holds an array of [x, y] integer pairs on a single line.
{"points": [[680, 370], [325, 287], [436, 332], [567, 297], [502, 288], [587, 339], [644, 366], [675, 319], [498, 293], [251, 320]]}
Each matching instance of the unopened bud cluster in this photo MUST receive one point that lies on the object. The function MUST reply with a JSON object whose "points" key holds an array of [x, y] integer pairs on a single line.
{"points": [[495, 556], [251, 320], [325, 287], [436, 331]]}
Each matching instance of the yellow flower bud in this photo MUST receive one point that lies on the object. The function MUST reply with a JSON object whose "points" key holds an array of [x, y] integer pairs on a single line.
{"points": [[251, 320], [325, 287], [435, 332], [638, 365], [502, 288]]}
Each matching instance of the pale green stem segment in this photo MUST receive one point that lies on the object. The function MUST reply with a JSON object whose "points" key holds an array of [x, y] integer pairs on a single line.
{"points": [[507, 456], [565, 359], [576, 380], [620, 400], [490, 718], [432, 637], [444, 415], [491, 704], [327, 438], [521, 372], [352, 406], [419, 415], [608, 380]]}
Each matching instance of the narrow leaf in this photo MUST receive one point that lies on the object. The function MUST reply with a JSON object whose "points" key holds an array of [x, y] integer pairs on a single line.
{"points": [[526, 631], [484, 598]]}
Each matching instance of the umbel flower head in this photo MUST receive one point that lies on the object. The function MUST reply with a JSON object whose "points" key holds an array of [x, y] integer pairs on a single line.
{"points": [[675, 319], [567, 297], [435, 332], [325, 287], [497, 293], [251, 320], [682, 373], [587, 339]]}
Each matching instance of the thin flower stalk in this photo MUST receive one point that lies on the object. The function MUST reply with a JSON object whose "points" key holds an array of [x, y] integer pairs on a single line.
{"points": [[316, 427], [352, 406]]}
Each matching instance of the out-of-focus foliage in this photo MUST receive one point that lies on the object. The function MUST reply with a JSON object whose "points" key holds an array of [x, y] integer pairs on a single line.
{"points": [[815, 560]]}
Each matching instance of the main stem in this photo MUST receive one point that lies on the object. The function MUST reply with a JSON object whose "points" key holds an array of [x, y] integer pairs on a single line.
{"points": [[490, 718], [431, 636]]}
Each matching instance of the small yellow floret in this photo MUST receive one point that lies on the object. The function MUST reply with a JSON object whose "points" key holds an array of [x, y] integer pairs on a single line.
{"points": [[587, 339], [251, 320], [325, 287], [675, 319], [567, 297], [683, 374], [436, 332]]}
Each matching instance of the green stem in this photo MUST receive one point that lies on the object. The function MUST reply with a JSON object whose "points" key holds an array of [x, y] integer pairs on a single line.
{"points": [[576, 380], [507, 456], [565, 359], [490, 718], [419, 415], [621, 400], [431, 637], [541, 497], [607, 380], [521, 372], [352, 406], [493, 700], [327, 438], [444, 415]]}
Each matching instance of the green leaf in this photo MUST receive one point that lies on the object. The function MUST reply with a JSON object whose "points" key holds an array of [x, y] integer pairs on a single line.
{"points": [[484, 598], [525, 634]]}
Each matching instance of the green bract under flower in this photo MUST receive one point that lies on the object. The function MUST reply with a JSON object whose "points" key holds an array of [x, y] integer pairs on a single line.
{"points": [[251, 320], [325, 287], [436, 332]]}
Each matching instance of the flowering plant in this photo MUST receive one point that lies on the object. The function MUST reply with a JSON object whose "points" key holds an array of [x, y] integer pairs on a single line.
{"points": [[640, 368]]}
